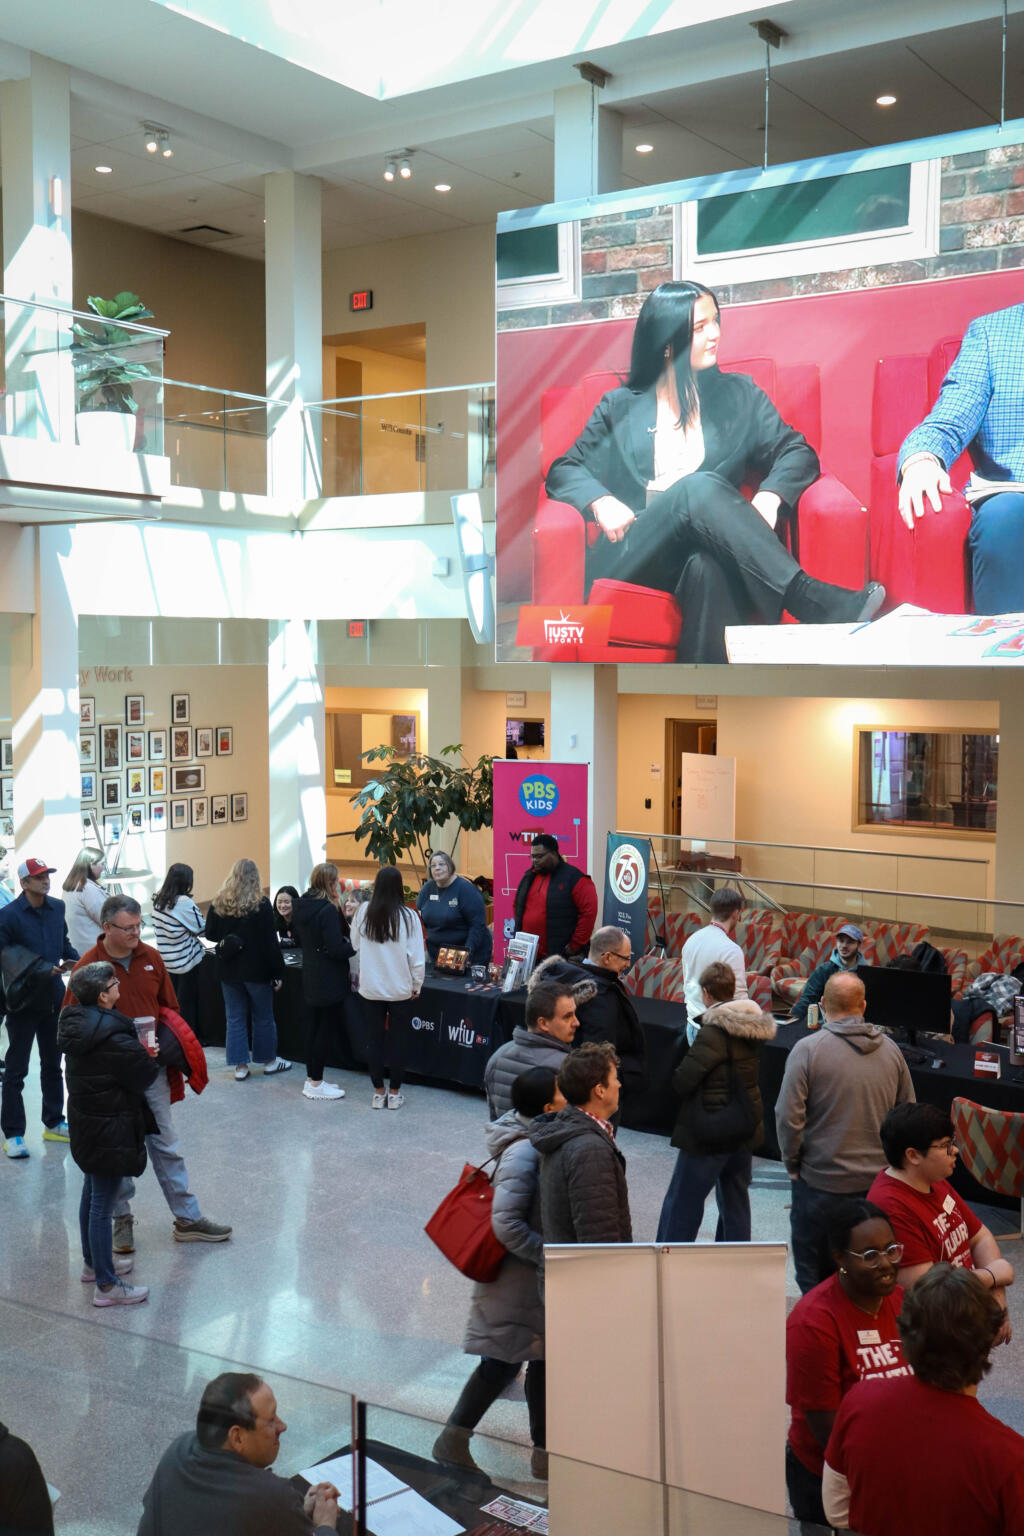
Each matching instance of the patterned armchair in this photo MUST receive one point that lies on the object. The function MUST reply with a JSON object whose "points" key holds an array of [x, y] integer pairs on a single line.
{"points": [[1004, 954], [678, 928], [650, 977], [891, 939], [956, 966], [789, 977], [759, 935], [991, 1143]]}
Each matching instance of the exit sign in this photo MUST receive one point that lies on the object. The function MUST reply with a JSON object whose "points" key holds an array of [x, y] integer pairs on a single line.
{"points": [[356, 629], [361, 300]]}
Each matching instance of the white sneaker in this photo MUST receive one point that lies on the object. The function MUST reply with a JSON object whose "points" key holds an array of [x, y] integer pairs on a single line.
{"points": [[379, 1100], [241, 1073], [121, 1267], [322, 1091], [396, 1100], [121, 1294], [279, 1064]]}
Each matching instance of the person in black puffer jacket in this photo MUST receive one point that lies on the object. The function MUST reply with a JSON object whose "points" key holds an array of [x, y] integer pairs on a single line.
{"points": [[583, 1192], [322, 930], [724, 1055], [250, 966], [108, 1071]]}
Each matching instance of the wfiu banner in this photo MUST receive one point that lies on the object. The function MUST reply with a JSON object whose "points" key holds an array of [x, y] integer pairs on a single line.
{"points": [[533, 797], [627, 863], [758, 414]]}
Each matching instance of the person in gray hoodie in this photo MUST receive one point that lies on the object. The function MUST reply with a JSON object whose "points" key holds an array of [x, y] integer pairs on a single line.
{"points": [[838, 1087], [506, 1315], [545, 1042]]}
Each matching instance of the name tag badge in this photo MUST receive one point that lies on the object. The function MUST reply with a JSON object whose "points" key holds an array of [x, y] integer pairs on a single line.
{"points": [[147, 967], [949, 1204], [434, 896], [868, 1336]]}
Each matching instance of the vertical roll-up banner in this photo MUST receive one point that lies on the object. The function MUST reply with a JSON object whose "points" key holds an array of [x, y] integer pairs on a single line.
{"points": [[532, 797], [627, 863]]}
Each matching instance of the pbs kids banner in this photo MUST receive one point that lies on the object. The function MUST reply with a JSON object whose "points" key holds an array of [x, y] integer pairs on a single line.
{"points": [[625, 887], [529, 798]]}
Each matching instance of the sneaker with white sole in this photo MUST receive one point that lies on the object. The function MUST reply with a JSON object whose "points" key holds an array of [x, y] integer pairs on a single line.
{"points": [[322, 1091], [121, 1294], [279, 1064], [58, 1132], [121, 1267], [379, 1101], [202, 1230], [123, 1240], [15, 1146], [241, 1073], [396, 1100]]}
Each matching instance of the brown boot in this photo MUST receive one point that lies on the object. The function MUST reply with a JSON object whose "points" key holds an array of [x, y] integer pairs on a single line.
{"points": [[452, 1446]]}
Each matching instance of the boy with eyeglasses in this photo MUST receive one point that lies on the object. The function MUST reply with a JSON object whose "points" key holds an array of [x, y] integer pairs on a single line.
{"points": [[928, 1216]]}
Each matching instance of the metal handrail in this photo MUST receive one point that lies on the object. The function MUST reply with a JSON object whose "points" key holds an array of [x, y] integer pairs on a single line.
{"points": [[854, 890], [238, 394], [745, 842], [83, 314], [398, 394]]}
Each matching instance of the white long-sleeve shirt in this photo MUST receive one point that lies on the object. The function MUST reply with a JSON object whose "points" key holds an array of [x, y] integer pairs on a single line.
{"points": [[700, 950], [393, 971], [82, 914]]}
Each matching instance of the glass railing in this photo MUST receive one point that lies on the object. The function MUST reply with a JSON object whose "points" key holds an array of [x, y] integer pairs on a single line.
{"points": [[70, 376], [426, 440], [216, 439]]}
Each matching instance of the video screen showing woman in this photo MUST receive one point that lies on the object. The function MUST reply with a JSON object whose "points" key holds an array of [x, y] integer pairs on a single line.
{"points": [[660, 468]]}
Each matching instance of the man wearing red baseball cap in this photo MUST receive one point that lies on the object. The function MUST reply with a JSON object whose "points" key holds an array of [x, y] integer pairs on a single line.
{"points": [[35, 921]]}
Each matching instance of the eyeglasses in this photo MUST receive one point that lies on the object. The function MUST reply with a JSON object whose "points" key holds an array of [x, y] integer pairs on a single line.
{"points": [[627, 957], [949, 1145], [873, 1257], [127, 928]]}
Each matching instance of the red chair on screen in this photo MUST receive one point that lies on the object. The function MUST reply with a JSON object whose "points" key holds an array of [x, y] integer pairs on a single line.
{"points": [[929, 567], [828, 534]]}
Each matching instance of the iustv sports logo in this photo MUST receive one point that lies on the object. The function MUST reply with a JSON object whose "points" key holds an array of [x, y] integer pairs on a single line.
{"points": [[627, 873]]}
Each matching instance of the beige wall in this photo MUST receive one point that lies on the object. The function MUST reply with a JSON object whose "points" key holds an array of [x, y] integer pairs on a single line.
{"points": [[211, 302], [342, 816], [445, 281], [483, 731]]}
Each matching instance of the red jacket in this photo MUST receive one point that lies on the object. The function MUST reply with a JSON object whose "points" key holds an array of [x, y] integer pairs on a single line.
{"points": [[195, 1056]]}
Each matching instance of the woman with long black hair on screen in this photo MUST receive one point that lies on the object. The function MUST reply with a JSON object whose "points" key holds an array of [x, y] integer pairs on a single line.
{"points": [[660, 465]]}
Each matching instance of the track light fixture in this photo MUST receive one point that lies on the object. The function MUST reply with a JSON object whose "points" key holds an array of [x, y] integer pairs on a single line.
{"points": [[398, 162], [158, 140], [390, 171], [405, 169]]}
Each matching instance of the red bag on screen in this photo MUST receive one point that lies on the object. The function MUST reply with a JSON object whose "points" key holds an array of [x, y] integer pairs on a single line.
{"points": [[461, 1226]]}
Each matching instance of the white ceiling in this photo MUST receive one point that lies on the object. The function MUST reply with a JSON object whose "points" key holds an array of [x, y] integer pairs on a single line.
{"points": [[236, 112]]}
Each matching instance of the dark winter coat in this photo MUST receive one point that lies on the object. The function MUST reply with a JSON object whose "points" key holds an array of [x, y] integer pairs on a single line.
{"points": [[201, 1492], [259, 958], [738, 1029], [506, 1315], [526, 1049], [323, 933], [108, 1071], [607, 1014], [24, 1502], [43, 931], [583, 1195], [455, 918]]}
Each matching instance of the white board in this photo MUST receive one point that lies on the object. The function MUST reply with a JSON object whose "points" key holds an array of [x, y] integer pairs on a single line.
{"points": [[708, 797]]}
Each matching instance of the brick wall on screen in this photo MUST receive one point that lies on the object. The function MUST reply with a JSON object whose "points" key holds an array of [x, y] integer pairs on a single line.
{"points": [[624, 256]]}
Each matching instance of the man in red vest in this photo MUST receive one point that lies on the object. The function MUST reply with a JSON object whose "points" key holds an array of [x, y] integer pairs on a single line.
{"points": [[556, 901]]}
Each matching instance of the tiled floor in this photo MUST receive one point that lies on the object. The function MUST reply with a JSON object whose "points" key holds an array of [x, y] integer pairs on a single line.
{"points": [[328, 1286]]}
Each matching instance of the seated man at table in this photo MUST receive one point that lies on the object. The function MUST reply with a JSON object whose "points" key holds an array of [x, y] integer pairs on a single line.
{"points": [[215, 1482], [545, 1042], [934, 1223], [844, 957]]}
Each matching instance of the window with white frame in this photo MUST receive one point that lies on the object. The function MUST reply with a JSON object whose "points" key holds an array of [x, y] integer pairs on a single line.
{"points": [[538, 265], [821, 224]]}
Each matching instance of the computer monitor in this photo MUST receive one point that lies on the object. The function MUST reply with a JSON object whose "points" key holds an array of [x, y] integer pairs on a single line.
{"points": [[907, 1001]]}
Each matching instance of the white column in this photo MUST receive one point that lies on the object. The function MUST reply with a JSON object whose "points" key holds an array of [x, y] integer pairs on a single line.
{"points": [[294, 306], [295, 712], [1010, 811], [584, 729], [588, 143], [44, 715], [35, 154], [444, 729]]}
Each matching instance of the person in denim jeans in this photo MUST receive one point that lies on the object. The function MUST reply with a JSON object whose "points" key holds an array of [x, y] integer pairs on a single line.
{"points": [[241, 923]]}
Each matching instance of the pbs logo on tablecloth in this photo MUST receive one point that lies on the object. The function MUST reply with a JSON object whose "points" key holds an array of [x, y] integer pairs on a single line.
{"points": [[627, 873]]}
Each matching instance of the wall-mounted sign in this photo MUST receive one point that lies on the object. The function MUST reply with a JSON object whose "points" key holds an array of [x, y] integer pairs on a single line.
{"points": [[706, 700], [343, 775], [361, 300], [515, 701], [356, 629]]}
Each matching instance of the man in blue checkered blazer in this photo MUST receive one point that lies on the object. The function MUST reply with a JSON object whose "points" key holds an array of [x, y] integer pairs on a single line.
{"points": [[980, 408]]}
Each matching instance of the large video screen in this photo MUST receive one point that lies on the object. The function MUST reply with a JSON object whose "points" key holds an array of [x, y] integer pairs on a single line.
{"points": [[770, 423]]}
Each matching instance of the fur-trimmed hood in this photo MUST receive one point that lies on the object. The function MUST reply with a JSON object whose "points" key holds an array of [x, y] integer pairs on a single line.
{"points": [[556, 968], [744, 1019]]}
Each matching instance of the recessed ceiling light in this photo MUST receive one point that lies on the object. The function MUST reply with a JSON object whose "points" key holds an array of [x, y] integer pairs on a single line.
{"points": [[644, 149], [442, 186], [104, 170], [885, 101]]}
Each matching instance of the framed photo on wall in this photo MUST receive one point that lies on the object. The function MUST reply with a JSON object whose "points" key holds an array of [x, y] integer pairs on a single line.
{"points": [[200, 811], [136, 784], [137, 818], [135, 746], [88, 786], [225, 740], [6, 794], [87, 748], [134, 709], [86, 711], [188, 781], [218, 809], [179, 813], [111, 792], [110, 748], [158, 816], [7, 755], [179, 709], [6, 830], [240, 807], [181, 743], [204, 741], [158, 781], [113, 826], [157, 746]]}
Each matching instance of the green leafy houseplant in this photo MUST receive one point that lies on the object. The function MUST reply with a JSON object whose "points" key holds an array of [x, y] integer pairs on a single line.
{"points": [[105, 377], [414, 796]]}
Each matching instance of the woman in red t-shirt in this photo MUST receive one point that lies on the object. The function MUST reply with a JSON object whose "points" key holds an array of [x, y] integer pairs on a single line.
{"points": [[841, 1332]]}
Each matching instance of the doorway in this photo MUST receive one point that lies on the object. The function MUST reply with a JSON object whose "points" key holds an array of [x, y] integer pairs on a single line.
{"points": [[375, 446], [683, 736]]}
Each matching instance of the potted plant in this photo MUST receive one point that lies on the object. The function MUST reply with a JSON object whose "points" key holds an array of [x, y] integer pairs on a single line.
{"points": [[105, 377], [416, 795]]}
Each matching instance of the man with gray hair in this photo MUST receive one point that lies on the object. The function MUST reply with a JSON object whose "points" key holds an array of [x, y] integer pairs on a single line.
{"points": [[145, 989], [604, 1007]]}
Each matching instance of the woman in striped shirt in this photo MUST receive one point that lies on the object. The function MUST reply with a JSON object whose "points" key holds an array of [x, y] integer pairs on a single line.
{"points": [[177, 923]]}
